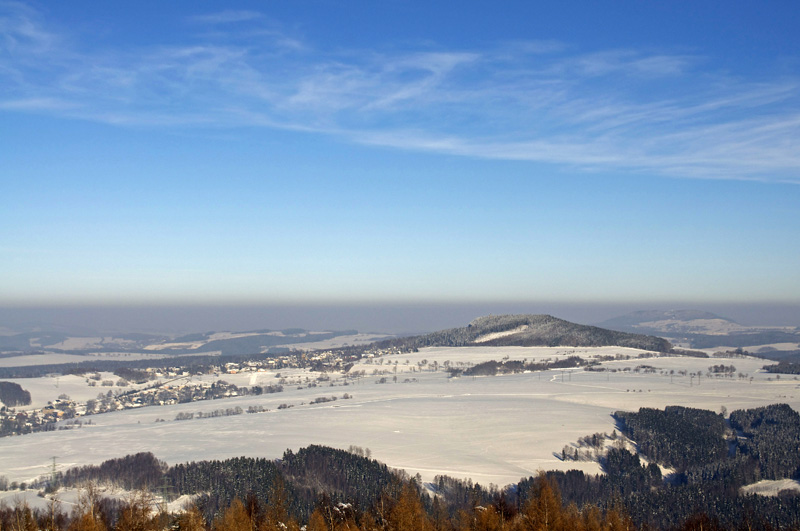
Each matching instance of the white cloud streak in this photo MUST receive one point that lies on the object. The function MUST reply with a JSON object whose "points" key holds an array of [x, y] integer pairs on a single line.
{"points": [[226, 17], [609, 110]]}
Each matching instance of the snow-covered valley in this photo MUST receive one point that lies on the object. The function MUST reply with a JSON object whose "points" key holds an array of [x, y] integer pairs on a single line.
{"points": [[493, 429]]}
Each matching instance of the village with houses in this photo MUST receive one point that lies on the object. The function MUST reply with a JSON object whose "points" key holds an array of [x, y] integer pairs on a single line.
{"points": [[178, 384]]}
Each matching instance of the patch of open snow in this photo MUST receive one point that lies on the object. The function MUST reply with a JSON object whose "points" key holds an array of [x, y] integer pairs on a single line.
{"points": [[67, 499], [338, 341], [235, 335], [771, 487], [497, 335], [64, 499], [181, 503], [80, 343], [768, 346], [186, 345]]}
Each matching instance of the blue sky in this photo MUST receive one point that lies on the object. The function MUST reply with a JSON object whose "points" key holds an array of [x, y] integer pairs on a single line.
{"points": [[309, 152]]}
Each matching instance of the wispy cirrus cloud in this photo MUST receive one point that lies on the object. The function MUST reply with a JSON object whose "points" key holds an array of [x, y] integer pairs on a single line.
{"points": [[226, 17], [627, 63], [36, 104], [542, 101], [22, 30]]}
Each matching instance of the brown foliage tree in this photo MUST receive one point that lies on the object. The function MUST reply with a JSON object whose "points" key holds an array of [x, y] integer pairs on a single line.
{"points": [[441, 520], [87, 515], [235, 518], [191, 520], [408, 512], [276, 515], [316, 522], [136, 515], [543, 511]]}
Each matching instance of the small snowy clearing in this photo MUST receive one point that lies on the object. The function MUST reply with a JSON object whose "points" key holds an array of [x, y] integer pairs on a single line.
{"points": [[771, 487], [497, 335], [67, 499]]}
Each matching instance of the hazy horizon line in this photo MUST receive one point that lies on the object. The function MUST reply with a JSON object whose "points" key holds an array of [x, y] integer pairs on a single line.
{"points": [[380, 317]]}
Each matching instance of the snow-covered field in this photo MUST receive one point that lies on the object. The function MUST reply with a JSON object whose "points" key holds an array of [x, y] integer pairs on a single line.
{"points": [[311, 344], [339, 341], [490, 429]]}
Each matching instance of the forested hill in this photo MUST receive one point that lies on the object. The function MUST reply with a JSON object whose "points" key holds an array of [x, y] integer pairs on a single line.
{"points": [[529, 331]]}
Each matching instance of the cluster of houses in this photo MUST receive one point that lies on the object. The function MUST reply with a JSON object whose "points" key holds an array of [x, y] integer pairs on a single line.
{"points": [[174, 385], [14, 422]]}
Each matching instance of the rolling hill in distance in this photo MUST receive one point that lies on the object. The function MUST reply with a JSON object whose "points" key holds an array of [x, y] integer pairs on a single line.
{"points": [[522, 330], [700, 329], [657, 330], [534, 330]]}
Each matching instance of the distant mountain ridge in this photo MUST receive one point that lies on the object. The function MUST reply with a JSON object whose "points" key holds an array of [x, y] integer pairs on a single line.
{"points": [[533, 330], [630, 322], [700, 329], [226, 343]]}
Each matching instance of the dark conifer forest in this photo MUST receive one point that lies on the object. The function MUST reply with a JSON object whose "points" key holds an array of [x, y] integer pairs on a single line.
{"points": [[12, 395]]}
